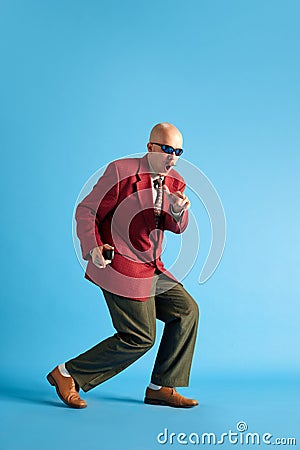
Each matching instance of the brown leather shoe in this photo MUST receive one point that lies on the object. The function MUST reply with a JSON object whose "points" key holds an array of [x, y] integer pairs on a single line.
{"points": [[66, 389], [167, 396]]}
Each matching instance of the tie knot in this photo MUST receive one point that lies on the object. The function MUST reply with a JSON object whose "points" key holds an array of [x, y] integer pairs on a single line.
{"points": [[157, 183]]}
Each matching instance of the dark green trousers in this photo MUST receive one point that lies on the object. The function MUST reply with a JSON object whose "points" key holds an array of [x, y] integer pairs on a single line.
{"points": [[135, 323]]}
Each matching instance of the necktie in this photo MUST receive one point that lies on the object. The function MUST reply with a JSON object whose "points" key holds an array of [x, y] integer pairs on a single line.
{"points": [[158, 202]]}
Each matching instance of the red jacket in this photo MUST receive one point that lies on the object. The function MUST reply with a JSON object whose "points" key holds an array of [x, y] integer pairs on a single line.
{"points": [[119, 211]]}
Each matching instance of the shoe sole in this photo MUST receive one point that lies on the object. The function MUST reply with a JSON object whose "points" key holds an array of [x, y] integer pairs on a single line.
{"points": [[51, 380], [152, 401]]}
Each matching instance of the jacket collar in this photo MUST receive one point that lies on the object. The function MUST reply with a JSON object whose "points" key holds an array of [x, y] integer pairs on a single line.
{"points": [[144, 189], [143, 174]]}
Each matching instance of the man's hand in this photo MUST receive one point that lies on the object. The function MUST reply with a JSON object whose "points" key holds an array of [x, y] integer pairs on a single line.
{"points": [[178, 200], [97, 256]]}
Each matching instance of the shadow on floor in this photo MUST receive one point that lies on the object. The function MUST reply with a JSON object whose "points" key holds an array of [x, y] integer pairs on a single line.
{"points": [[120, 399], [25, 391], [31, 391]]}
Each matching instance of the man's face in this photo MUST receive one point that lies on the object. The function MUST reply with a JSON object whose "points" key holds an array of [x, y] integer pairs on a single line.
{"points": [[162, 162]]}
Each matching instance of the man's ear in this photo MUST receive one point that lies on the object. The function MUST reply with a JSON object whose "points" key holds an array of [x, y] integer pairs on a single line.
{"points": [[149, 147]]}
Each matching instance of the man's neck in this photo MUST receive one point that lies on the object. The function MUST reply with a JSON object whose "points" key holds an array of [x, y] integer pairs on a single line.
{"points": [[153, 174]]}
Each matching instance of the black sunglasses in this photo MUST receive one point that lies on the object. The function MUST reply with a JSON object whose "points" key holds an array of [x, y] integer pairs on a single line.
{"points": [[168, 149]]}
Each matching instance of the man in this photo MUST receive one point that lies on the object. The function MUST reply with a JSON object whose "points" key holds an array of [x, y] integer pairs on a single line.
{"points": [[127, 211]]}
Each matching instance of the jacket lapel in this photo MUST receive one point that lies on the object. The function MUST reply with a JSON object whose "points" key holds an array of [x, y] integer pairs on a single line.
{"points": [[144, 192]]}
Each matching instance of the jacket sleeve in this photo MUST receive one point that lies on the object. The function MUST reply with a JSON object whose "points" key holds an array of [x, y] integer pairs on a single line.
{"points": [[94, 207], [176, 225]]}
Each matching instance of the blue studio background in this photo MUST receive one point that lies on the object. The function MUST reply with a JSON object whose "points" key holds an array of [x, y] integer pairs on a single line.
{"points": [[82, 83]]}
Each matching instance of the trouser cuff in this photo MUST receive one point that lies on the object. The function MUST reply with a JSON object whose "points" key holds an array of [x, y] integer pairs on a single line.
{"points": [[169, 382]]}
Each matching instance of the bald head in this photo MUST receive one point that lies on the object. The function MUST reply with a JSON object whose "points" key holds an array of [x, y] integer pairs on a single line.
{"points": [[167, 134]]}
